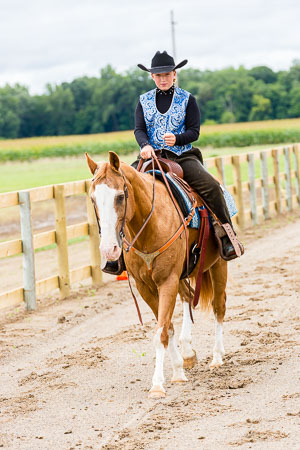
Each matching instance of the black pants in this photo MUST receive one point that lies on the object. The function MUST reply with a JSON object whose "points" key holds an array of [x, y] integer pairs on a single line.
{"points": [[201, 180]]}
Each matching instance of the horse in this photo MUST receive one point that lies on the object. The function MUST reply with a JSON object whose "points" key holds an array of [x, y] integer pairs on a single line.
{"points": [[122, 197]]}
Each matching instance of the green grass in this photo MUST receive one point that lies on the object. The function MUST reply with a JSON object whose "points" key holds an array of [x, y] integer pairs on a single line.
{"points": [[214, 152], [72, 241], [23, 175], [229, 177], [20, 175], [235, 135]]}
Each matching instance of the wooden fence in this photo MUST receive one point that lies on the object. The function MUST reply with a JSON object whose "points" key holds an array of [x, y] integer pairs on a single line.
{"points": [[60, 235], [263, 183]]}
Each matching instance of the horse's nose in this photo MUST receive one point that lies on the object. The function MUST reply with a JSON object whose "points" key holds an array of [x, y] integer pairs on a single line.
{"points": [[113, 254], [115, 250]]}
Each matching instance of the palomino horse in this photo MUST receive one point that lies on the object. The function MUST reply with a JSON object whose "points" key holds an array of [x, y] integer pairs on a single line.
{"points": [[160, 285]]}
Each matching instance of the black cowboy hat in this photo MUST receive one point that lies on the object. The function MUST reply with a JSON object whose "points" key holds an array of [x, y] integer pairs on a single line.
{"points": [[162, 62]]}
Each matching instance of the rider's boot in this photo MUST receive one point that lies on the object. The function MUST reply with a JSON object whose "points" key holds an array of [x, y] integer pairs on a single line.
{"points": [[229, 245]]}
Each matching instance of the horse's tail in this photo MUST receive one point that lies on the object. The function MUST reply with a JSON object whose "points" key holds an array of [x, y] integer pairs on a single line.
{"points": [[207, 291]]}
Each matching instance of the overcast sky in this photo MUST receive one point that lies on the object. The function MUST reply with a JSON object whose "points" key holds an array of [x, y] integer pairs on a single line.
{"points": [[50, 41]]}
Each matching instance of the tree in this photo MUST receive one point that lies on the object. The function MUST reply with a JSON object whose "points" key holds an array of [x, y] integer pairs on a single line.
{"points": [[108, 102], [263, 73], [261, 109], [227, 117], [294, 110], [60, 110], [13, 103]]}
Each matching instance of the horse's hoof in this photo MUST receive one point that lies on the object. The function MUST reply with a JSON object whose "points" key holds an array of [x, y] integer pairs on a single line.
{"points": [[156, 392], [215, 365], [189, 363], [179, 380]]}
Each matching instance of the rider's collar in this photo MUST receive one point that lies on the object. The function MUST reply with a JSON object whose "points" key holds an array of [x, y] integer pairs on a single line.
{"points": [[168, 92]]}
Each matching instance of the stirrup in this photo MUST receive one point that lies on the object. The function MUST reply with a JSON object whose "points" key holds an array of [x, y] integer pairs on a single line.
{"points": [[115, 267], [225, 229]]}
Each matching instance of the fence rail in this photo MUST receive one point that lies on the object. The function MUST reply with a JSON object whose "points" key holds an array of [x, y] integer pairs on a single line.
{"points": [[264, 184]]}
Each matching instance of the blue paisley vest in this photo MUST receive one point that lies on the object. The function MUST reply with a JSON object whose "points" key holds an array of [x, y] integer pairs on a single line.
{"points": [[172, 121]]}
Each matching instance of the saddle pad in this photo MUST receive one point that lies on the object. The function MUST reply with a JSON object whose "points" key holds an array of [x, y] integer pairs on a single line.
{"points": [[185, 203], [230, 203]]}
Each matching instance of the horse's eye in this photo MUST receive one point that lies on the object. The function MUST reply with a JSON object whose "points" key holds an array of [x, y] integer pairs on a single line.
{"points": [[119, 198]]}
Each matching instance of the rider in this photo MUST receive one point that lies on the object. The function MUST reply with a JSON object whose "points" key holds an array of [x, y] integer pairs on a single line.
{"points": [[168, 118]]}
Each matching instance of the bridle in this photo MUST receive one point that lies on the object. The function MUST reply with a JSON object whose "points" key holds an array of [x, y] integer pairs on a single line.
{"points": [[121, 234]]}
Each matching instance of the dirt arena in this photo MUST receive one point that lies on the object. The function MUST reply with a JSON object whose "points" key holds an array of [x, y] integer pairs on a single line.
{"points": [[75, 374]]}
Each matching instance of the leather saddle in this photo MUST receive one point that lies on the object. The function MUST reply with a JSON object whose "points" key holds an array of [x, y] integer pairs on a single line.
{"points": [[167, 165], [174, 170]]}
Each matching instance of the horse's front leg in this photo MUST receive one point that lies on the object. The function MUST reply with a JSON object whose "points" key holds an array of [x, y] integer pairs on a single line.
{"points": [[157, 390], [167, 296]]}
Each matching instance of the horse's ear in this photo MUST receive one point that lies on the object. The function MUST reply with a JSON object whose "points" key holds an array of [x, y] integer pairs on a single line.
{"points": [[114, 161], [91, 163]]}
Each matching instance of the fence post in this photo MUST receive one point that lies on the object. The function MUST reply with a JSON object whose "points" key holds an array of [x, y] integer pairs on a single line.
{"points": [[251, 174], [219, 162], [238, 189], [296, 151], [94, 239], [62, 241], [28, 251], [265, 184], [287, 160], [276, 179]]}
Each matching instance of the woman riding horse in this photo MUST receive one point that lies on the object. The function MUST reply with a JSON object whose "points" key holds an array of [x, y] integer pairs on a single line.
{"points": [[168, 119]]}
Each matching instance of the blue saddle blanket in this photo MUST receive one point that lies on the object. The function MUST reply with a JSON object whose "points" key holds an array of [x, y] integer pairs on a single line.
{"points": [[185, 203]]}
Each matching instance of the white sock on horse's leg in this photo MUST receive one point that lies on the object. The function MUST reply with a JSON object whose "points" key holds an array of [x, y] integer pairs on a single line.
{"points": [[176, 359], [185, 337], [218, 350], [158, 376]]}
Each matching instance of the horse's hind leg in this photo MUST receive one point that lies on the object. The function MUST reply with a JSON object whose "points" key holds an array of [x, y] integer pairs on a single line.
{"points": [[176, 358], [185, 338], [219, 279]]}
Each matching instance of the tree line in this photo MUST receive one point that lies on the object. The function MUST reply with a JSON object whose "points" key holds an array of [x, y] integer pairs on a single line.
{"points": [[107, 103]]}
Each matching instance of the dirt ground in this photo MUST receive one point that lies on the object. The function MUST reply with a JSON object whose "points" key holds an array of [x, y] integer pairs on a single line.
{"points": [[75, 373]]}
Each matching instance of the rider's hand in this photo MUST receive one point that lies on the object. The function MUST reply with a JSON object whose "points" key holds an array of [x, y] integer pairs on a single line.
{"points": [[146, 152], [170, 139]]}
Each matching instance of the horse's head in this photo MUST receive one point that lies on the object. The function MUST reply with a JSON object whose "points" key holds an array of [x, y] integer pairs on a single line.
{"points": [[108, 193]]}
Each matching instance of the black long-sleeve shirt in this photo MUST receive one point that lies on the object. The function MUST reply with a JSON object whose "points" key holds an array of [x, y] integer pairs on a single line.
{"points": [[163, 103]]}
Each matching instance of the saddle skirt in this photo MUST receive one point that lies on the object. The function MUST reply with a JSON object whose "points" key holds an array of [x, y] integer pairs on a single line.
{"points": [[184, 196]]}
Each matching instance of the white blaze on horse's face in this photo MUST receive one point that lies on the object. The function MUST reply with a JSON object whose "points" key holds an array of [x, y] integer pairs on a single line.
{"points": [[105, 198]]}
